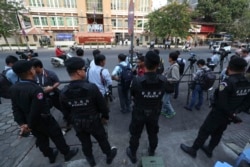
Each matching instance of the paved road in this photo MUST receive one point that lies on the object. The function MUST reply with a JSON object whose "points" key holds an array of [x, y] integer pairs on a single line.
{"points": [[182, 128]]}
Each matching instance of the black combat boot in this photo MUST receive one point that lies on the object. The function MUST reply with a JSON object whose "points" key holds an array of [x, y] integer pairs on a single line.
{"points": [[52, 157], [151, 152], [207, 151], [72, 152], [112, 155], [131, 156], [91, 161], [188, 150]]}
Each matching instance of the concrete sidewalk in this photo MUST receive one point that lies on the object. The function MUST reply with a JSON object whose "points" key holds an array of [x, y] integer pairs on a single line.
{"points": [[183, 128]]}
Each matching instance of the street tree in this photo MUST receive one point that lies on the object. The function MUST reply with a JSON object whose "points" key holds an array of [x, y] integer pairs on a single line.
{"points": [[224, 13], [8, 18], [172, 20]]}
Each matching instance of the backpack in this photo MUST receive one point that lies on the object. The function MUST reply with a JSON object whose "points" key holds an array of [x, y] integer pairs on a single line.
{"points": [[160, 68], [181, 66], [126, 76], [207, 79], [5, 85]]}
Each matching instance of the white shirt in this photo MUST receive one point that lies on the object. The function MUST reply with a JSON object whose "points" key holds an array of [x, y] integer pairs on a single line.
{"points": [[92, 64], [95, 77]]}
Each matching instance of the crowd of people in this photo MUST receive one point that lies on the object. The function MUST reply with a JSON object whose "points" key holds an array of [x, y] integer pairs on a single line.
{"points": [[143, 91]]}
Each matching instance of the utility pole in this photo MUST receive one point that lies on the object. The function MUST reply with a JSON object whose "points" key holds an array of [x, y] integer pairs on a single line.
{"points": [[131, 28]]}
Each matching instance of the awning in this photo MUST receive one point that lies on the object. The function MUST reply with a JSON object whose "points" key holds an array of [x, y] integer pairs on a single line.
{"points": [[207, 28]]}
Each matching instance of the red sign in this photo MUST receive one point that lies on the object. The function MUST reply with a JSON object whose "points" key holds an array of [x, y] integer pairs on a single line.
{"points": [[98, 39], [131, 17]]}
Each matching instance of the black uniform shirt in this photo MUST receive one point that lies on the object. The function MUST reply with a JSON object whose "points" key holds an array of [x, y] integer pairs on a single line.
{"points": [[82, 98], [28, 102], [231, 94], [47, 78]]}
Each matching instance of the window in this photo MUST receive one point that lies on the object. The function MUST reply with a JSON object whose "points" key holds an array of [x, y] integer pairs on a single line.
{"points": [[36, 3], [119, 23], [119, 4], [36, 21], [126, 23], [94, 5], [53, 3], [35, 38], [71, 21], [70, 3], [60, 21], [139, 23], [53, 21], [113, 22], [143, 6], [44, 21]]}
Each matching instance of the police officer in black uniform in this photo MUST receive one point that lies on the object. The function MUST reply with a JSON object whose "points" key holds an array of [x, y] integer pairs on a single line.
{"points": [[86, 109], [232, 94], [32, 114], [147, 92]]}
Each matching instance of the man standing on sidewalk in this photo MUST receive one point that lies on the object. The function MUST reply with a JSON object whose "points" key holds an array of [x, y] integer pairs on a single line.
{"points": [[86, 109], [147, 92], [232, 94], [32, 114]]}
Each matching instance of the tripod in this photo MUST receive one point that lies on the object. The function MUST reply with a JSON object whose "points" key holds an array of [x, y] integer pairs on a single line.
{"points": [[188, 72]]}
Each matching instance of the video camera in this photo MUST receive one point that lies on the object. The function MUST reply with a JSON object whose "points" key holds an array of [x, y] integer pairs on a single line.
{"points": [[26, 53], [223, 53], [192, 59]]}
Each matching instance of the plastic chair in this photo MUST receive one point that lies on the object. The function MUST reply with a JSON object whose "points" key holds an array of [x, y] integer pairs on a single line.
{"points": [[222, 164], [245, 155]]}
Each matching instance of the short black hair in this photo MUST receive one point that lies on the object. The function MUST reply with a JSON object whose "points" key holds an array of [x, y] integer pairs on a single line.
{"points": [[173, 56], [178, 52], [37, 63], [141, 58], [201, 62], [73, 64], [11, 59], [99, 58], [151, 60], [79, 52], [122, 57], [96, 52], [237, 64], [157, 51]]}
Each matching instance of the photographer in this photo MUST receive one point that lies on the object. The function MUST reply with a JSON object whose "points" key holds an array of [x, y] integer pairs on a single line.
{"points": [[101, 77], [196, 86], [230, 96]]}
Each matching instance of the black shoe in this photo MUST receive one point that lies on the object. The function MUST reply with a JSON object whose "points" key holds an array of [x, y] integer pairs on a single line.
{"points": [[187, 108], [188, 150], [197, 108], [132, 158], [52, 158], [112, 155], [91, 161], [151, 152], [207, 151], [72, 152]]}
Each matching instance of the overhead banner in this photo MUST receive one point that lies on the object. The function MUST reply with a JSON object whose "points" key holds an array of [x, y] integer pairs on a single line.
{"points": [[131, 17]]}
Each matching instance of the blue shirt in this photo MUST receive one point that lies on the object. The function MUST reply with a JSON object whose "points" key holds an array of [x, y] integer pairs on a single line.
{"points": [[11, 75]]}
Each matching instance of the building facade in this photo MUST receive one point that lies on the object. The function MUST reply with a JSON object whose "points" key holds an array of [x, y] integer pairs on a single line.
{"points": [[86, 21]]}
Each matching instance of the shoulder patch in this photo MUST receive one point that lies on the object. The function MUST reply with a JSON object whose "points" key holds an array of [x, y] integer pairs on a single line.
{"points": [[39, 96], [222, 86]]}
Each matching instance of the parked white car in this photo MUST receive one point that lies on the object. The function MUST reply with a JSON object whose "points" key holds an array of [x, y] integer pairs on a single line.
{"points": [[218, 45]]}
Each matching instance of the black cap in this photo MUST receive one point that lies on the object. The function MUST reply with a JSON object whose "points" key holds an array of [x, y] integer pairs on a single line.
{"points": [[74, 63], [22, 66], [152, 57], [237, 64]]}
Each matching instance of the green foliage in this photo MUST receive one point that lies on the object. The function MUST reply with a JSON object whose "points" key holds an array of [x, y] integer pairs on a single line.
{"points": [[226, 13], [8, 19], [171, 20]]}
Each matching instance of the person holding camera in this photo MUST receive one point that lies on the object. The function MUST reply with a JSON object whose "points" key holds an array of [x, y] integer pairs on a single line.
{"points": [[229, 97], [197, 90], [85, 108], [101, 77]]}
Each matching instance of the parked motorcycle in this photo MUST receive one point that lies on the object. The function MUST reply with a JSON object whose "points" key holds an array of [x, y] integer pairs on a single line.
{"points": [[186, 48], [57, 61]]}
